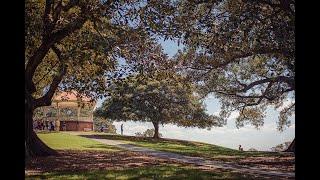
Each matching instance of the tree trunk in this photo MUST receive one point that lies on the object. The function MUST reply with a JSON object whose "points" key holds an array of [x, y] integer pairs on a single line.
{"points": [[34, 146], [156, 130], [291, 147]]}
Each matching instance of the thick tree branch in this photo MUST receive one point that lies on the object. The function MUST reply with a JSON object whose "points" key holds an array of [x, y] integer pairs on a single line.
{"points": [[47, 20], [284, 5], [46, 99], [41, 52], [45, 75], [58, 53], [236, 58], [70, 5], [288, 80]]}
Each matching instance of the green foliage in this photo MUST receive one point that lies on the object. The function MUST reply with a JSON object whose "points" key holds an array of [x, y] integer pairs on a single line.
{"points": [[147, 133], [252, 149], [107, 124], [76, 45], [242, 51], [157, 94]]}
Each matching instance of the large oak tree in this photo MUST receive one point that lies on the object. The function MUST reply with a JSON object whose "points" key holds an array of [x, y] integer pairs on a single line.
{"points": [[75, 45], [242, 51], [156, 94]]}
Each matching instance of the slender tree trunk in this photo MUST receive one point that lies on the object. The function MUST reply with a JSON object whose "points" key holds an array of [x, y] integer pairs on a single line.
{"points": [[156, 130], [34, 146]]}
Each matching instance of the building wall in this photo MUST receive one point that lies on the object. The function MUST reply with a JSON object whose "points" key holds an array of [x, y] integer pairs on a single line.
{"points": [[76, 125]]}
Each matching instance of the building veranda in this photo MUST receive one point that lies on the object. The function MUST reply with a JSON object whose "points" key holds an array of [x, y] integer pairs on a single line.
{"points": [[69, 111]]}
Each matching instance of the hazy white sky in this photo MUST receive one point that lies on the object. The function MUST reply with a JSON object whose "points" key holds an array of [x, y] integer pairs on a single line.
{"points": [[227, 136]]}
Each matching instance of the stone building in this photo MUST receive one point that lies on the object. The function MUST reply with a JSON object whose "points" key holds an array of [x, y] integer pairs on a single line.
{"points": [[68, 112]]}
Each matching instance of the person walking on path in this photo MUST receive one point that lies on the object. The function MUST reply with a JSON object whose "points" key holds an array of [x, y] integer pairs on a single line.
{"points": [[121, 129]]}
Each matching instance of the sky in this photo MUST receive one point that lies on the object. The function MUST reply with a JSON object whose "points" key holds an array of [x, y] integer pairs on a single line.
{"points": [[230, 136]]}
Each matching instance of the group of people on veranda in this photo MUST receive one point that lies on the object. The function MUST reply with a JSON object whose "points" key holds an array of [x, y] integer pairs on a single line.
{"points": [[44, 125]]}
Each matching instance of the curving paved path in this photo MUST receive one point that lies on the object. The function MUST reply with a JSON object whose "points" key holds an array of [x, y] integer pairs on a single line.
{"points": [[198, 161]]}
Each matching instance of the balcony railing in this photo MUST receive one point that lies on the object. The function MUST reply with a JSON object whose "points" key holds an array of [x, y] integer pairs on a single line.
{"points": [[70, 118]]}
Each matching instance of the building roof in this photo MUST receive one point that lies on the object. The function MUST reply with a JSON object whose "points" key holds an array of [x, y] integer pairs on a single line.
{"points": [[70, 96]]}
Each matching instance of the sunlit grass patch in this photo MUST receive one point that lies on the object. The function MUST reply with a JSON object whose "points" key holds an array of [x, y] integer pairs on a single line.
{"points": [[188, 147], [64, 141]]}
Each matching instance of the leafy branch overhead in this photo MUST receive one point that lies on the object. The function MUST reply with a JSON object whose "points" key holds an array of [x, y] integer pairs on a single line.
{"points": [[242, 51]]}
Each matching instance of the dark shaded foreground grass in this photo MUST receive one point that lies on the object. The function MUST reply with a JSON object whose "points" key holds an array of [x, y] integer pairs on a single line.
{"points": [[154, 172]]}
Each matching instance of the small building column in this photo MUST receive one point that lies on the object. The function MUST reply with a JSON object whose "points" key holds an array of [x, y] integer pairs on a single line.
{"points": [[58, 118], [45, 111], [78, 115], [92, 117]]}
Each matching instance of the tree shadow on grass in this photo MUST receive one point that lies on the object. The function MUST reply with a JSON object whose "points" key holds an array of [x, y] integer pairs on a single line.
{"points": [[154, 172], [70, 161]]}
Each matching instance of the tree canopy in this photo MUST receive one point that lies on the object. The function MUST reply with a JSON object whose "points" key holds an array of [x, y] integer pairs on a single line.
{"points": [[104, 123], [242, 51], [156, 94]]}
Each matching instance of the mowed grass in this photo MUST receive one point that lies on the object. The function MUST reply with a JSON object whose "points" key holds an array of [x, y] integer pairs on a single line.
{"points": [[188, 147], [149, 172], [64, 141]]}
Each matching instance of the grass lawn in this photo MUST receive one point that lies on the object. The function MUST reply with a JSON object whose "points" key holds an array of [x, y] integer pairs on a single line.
{"points": [[64, 141], [154, 172], [82, 158], [188, 147]]}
